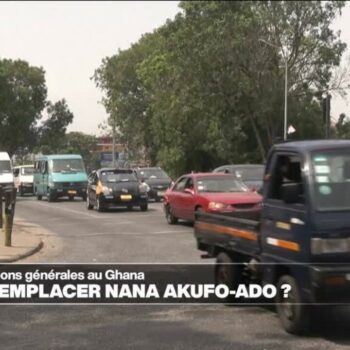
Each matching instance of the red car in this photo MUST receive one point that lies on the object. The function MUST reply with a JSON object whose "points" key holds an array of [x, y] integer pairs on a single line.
{"points": [[210, 192]]}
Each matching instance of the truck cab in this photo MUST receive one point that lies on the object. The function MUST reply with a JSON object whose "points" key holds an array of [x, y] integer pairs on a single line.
{"points": [[303, 236]]}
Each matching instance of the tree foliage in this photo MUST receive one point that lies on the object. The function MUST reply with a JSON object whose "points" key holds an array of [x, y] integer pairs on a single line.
{"points": [[83, 144], [22, 99], [53, 129], [208, 87]]}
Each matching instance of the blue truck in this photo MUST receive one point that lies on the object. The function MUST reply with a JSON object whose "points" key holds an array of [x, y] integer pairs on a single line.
{"points": [[302, 238]]}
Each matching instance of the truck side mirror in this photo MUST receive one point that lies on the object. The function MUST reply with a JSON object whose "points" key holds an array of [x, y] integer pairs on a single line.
{"points": [[291, 193]]}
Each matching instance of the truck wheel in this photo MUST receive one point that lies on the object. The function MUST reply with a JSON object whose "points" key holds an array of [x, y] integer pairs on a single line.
{"points": [[170, 218], [89, 206], [50, 196], [227, 272], [144, 206], [293, 315], [21, 191]]}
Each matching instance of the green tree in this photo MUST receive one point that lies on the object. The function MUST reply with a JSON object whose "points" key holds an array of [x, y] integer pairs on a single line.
{"points": [[205, 88], [22, 99], [83, 144], [53, 129]]}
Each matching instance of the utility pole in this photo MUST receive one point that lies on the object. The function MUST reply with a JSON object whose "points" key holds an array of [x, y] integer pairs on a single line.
{"points": [[113, 143], [326, 104], [285, 97], [285, 59]]}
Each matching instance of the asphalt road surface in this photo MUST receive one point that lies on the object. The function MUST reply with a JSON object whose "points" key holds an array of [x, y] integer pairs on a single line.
{"points": [[83, 236]]}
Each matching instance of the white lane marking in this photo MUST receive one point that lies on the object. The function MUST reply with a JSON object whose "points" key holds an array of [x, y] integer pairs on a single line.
{"points": [[72, 211], [127, 233], [102, 215]]}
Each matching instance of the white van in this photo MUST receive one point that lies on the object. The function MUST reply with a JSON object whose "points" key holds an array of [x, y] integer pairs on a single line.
{"points": [[6, 175], [23, 177]]}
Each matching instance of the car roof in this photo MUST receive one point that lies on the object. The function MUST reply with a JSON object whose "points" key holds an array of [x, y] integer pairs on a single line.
{"points": [[241, 166], [312, 145], [122, 170], [195, 175], [148, 168], [24, 166], [59, 156]]}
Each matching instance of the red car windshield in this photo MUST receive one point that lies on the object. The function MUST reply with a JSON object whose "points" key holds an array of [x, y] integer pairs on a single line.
{"points": [[220, 184]]}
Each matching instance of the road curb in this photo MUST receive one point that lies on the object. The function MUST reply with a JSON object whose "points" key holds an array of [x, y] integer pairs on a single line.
{"points": [[29, 252]]}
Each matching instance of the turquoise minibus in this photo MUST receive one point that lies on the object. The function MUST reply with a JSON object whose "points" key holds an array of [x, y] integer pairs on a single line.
{"points": [[60, 175]]}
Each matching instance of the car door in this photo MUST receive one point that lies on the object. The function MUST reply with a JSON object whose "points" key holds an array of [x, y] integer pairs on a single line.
{"points": [[285, 225], [188, 199], [175, 198]]}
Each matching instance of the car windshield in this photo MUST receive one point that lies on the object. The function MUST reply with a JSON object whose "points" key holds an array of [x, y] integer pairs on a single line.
{"points": [[67, 165], [112, 176], [153, 174], [250, 173], [331, 175], [220, 184], [27, 171], [5, 166]]}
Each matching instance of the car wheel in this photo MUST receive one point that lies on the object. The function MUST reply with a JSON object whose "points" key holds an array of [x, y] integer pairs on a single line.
{"points": [[99, 206], [144, 206], [228, 272], [89, 206], [198, 210], [170, 218], [293, 315]]}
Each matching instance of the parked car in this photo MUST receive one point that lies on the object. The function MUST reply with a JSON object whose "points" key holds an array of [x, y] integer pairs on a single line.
{"points": [[108, 188], [23, 177], [6, 174], [60, 175], [251, 174], [156, 178], [210, 192]]}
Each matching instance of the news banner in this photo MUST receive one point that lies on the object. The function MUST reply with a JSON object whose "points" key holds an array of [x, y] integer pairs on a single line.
{"points": [[119, 284]]}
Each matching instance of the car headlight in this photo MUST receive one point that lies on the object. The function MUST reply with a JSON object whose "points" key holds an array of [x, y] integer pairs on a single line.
{"points": [[217, 205], [144, 188], [330, 245], [106, 190]]}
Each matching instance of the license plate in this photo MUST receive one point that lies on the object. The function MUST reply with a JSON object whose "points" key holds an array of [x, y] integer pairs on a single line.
{"points": [[160, 193], [125, 197], [72, 192]]}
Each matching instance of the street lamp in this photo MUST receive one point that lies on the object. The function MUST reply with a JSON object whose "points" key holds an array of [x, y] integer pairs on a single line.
{"points": [[285, 58]]}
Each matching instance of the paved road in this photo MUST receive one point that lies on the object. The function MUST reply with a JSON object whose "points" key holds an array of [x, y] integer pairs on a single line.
{"points": [[88, 236]]}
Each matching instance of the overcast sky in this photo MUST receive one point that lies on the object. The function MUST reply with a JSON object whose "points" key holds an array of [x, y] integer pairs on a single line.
{"points": [[69, 40]]}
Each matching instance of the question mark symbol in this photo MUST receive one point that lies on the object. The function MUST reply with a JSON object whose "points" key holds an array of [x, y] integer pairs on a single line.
{"points": [[286, 289]]}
